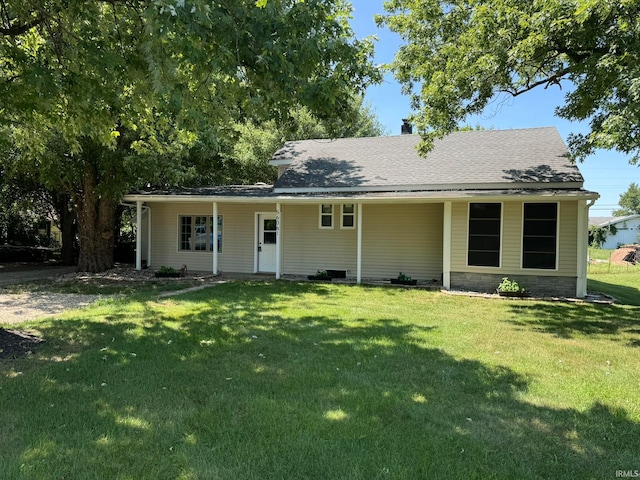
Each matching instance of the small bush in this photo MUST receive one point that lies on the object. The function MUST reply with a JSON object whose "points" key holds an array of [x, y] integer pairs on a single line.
{"points": [[510, 286]]}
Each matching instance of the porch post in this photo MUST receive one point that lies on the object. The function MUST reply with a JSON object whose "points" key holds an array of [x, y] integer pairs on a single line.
{"points": [[359, 246], [582, 248], [215, 238], [148, 236], [138, 235], [446, 247], [278, 239]]}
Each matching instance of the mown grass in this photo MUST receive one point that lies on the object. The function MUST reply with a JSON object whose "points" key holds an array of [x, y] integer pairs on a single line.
{"points": [[322, 381], [600, 253]]}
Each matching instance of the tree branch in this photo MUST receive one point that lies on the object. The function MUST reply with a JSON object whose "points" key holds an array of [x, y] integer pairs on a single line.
{"points": [[15, 30]]}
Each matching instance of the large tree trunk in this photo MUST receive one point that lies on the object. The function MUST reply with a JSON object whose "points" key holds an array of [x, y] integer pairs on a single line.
{"points": [[67, 227], [96, 225]]}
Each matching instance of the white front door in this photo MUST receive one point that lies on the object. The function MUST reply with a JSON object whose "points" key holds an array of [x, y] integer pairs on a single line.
{"points": [[267, 242]]}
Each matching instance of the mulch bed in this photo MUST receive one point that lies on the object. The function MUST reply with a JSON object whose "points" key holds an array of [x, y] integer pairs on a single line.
{"points": [[15, 343]]}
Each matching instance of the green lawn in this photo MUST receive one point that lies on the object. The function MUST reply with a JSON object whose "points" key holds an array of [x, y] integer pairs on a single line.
{"points": [[320, 381]]}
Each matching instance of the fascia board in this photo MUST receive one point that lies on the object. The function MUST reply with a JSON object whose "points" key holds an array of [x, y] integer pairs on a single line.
{"points": [[432, 187]]}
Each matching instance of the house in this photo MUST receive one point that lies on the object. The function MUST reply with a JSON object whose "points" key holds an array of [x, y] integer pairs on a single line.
{"points": [[482, 205], [627, 230]]}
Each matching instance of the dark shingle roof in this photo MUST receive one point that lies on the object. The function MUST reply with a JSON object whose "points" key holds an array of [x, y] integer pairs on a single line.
{"points": [[534, 157]]}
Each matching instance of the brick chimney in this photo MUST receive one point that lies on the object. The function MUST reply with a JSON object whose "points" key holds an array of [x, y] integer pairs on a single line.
{"points": [[407, 128]]}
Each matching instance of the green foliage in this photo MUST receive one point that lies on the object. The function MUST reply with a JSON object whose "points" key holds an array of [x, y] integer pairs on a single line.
{"points": [[510, 286], [102, 97], [403, 277], [629, 201], [460, 55], [598, 235], [322, 274], [243, 157], [165, 269]]}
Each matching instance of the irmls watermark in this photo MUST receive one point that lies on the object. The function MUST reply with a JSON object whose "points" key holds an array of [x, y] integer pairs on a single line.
{"points": [[627, 473]]}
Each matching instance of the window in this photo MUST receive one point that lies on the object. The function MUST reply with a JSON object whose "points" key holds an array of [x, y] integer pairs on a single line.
{"points": [[484, 234], [539, 235], [326, 216], [348, 216], [196, 233]]}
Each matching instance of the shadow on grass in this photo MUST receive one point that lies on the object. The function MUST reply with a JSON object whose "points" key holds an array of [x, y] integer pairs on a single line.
{"points": [[234, 388], [568, 320], [624, 294]]}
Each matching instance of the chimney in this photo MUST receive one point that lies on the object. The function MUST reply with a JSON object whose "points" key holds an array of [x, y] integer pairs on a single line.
{"points": [[407, 128]]}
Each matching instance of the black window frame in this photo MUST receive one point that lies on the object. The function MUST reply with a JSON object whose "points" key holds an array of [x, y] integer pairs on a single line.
{"points": [[484, 234], [540, 235]]}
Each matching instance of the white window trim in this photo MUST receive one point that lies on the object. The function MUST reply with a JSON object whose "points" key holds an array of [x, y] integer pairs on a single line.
{"points": [[343, 215], [193, 215], [321, 214], [540, 270], [501, 237]]}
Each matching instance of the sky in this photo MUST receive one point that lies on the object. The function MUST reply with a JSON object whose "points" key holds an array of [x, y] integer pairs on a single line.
{"points": [[606, 172]]}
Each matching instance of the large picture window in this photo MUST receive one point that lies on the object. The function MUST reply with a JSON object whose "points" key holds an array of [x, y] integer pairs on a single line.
{"points": [[196, 233], [539, 235], [484, 234]]}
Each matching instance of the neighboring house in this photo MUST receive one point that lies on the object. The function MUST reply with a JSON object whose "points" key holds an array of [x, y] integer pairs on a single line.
{"points": [[481, 206], [627, 230]]}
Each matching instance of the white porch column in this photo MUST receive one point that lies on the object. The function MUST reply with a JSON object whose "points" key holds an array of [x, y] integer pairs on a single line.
{"points": [[278, 241], [359, 245], [215, 238], [446, 247], [139, 235], [148, 236], [582, 248]]}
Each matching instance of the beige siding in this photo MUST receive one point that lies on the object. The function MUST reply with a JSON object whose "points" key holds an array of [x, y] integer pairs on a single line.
{"points": [[238, 240], [402, 238], [512, 240], [395, 239], [307, 248], [568, 238]]}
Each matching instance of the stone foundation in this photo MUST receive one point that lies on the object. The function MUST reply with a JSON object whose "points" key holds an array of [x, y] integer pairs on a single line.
{"points": [[535, 284]]}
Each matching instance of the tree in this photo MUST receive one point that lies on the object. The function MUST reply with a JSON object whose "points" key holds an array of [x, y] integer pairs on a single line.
{"points": [[629, 201], [460, 54], [243, 158], [102, 96]]}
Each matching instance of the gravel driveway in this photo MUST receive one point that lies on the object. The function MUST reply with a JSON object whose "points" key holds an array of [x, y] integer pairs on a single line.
{"points": [[18, 307]]}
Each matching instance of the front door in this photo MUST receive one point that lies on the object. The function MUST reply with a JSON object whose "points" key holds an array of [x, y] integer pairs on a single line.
{"points": [[267, 242]]}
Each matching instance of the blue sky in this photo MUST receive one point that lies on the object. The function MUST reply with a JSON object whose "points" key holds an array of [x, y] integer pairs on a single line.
{"points": [[607, 172]]}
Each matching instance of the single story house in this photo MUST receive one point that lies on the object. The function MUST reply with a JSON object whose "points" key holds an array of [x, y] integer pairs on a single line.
{"points": [[627, 230], [482, 205]]}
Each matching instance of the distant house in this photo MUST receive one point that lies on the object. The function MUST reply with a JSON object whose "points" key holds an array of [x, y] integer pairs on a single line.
{"points": [[627, 230], [482, 205]]}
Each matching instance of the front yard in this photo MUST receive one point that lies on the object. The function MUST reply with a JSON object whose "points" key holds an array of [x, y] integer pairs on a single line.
{"points": [[285, 380]]}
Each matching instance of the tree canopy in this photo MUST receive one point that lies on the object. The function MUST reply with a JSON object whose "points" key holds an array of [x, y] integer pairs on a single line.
{"points": [[102, 96], [460, 54], [629, 202]]}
